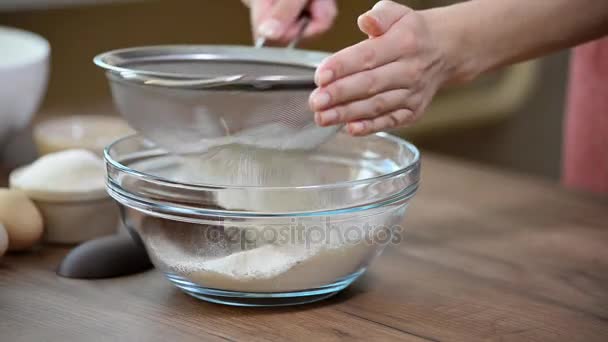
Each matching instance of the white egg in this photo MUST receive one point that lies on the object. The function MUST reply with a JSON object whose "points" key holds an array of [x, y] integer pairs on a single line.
{"points": [[20, 218], [3, 240]]}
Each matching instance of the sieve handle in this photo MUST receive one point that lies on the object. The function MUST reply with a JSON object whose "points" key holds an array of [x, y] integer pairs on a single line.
{"points": [[304, 21]]}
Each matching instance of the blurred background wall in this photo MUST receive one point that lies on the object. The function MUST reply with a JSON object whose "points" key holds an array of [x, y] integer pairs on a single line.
{"points": [[524, 134]]}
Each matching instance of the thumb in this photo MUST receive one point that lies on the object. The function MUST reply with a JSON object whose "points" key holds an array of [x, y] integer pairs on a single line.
{"points": [[282, 15], [381, 17]]}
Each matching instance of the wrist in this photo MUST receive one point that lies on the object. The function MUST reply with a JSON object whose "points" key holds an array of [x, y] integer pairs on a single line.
{"points": [[460, 62]]}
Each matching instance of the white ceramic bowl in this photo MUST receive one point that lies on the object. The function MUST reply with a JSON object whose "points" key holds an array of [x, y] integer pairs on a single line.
{"points": [[90, 132], [72, 217], [24, 69]]}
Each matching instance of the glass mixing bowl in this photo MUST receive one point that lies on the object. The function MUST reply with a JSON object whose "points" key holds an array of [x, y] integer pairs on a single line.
{"points": [[263, 228]]}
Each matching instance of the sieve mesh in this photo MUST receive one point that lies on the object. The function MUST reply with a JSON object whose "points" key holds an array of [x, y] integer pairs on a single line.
{"points": [[252, 110]]}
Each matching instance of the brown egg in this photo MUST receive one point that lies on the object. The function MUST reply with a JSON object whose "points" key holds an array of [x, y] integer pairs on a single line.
{"points": [[3, 240], [20, 218]]}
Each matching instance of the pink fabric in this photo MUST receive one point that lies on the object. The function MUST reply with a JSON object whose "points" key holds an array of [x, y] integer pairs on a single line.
{"points": [[585, 160]]}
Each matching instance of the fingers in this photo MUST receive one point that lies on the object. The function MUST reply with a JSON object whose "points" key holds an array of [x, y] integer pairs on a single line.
{"points": [[383, 111], [385, 46], [381, 17], [258, 11], [278, 20], [365, 109], [383, 122], [323, 13], [283, 14], [363, 85], [366, 55], [383, 82]]}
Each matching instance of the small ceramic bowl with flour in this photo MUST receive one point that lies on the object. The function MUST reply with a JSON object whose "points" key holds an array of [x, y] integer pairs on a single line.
{"points": [[68, 187], [247, 226]]}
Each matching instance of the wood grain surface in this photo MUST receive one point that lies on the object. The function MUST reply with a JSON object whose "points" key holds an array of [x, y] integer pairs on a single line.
{"points": [[487, 256]]}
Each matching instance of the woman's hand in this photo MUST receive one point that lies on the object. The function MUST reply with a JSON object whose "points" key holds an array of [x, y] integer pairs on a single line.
{"points": [[385, 81], [277, 20]]}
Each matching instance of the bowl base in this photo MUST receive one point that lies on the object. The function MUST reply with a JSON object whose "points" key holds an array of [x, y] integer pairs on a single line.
{"points": [[262, 299]]}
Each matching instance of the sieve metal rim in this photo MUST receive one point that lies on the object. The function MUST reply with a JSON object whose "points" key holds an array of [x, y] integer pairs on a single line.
{"points": [[117, 63]]}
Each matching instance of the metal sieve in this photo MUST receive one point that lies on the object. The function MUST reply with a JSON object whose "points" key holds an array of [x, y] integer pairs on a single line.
{"points": [[189, 98]]}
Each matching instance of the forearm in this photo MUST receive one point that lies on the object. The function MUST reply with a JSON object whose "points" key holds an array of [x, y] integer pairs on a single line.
{"points": [[481, 35]]}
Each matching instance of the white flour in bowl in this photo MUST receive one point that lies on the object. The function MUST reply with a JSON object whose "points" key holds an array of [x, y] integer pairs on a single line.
{"points": [[262, 266], [277, 269], [269, 266]]}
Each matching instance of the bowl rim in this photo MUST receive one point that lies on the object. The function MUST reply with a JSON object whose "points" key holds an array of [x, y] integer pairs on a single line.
{"points": [[164, 197], [414, 163], [42, 47]]}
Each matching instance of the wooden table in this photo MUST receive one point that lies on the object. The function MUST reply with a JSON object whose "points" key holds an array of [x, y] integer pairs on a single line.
{"points": [[488, 256]]}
